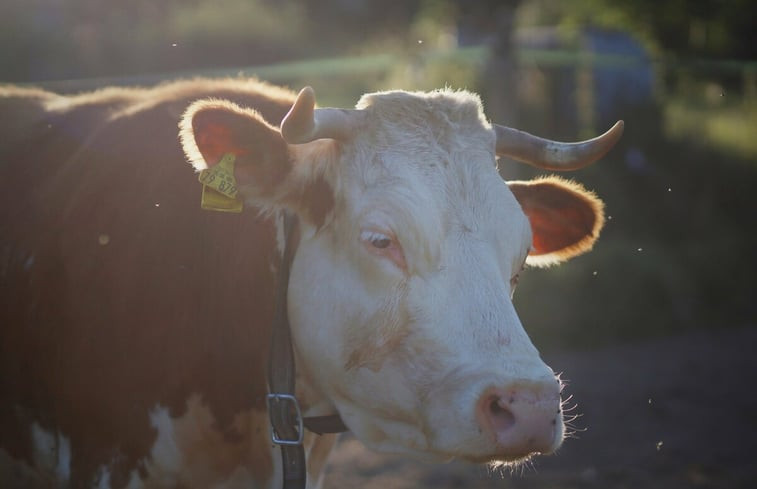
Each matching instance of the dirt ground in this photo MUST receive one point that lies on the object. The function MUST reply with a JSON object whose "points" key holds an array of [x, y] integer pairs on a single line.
{"points": [[678, 412]]}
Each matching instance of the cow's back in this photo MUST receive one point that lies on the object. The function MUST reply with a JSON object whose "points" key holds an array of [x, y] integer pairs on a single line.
{"points": [[120, 298]]}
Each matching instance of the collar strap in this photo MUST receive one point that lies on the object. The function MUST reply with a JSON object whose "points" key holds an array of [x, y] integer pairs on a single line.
{"points": [[283, 409], [325, 424]]}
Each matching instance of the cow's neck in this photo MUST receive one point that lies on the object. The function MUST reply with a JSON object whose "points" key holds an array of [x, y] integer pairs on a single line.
{"points": [[286, 417]]}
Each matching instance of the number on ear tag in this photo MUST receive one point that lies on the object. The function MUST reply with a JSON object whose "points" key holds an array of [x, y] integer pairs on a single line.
{"points": [[219, 187]]}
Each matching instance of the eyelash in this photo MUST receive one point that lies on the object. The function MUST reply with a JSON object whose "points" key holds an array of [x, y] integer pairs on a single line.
{"points": [[376, 239], [383, 245]]}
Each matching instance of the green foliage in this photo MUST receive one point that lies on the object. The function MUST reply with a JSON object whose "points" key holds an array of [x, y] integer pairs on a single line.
{"points": [[49, 39], [713, 115], [713, 28], [231, 21]]}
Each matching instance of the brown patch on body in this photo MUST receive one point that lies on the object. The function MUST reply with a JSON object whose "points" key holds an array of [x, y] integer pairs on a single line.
{"points": [[177, 301]]}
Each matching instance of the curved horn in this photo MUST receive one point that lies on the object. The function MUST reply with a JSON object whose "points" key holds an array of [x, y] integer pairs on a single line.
{"points": [[304, 123], [553, 155]]}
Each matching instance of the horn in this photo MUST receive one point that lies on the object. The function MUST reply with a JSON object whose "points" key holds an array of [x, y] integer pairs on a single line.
{"points": [[304, 123], [553, 155]]}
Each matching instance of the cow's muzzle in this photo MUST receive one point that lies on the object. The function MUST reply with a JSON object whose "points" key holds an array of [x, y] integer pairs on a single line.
{"points": [[522, 418]]}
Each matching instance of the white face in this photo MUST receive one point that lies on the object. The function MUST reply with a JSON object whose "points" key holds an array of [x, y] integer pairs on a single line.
{"points": [[401, 305]]}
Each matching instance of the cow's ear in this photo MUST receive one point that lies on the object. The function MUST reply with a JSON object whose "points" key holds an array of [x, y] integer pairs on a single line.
{"points": [[268, 171], [565, 218], [210, 129]]}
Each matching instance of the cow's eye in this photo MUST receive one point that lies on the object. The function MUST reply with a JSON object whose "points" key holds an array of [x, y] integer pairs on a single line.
{"points": [[385, 245], [376, 239]]}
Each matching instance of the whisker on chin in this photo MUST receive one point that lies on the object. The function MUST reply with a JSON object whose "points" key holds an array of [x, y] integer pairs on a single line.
{"points": [[518, 467]]}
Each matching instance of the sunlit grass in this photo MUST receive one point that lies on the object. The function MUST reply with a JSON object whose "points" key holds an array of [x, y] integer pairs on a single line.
{"points": [[732, 128]]}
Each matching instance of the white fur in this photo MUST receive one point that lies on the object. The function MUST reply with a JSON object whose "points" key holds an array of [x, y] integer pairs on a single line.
{"points": [[424, 169], [170, 461], [52, 454]]}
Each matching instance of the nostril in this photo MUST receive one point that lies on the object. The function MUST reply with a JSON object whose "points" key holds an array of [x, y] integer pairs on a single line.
{"points": [[521, 418], [500, 416]]}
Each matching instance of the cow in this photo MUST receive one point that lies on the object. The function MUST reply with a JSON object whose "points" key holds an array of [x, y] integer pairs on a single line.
{"points": [[136, 323]]}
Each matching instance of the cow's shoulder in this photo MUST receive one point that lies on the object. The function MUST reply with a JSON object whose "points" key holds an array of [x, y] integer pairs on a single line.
{"points": [[124, 298]]}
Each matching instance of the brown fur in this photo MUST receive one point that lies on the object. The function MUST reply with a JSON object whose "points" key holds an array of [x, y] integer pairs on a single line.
{"points": [[117, 292], [389, 328], [211, 128]]}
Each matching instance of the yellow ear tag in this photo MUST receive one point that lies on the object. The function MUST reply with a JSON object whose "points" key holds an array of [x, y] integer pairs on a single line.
{"points": [[219, 187]]}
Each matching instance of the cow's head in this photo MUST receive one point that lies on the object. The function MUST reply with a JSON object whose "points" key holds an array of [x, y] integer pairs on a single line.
{"points": [[411, 245]]}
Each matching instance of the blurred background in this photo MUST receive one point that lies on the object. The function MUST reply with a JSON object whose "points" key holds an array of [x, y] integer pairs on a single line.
{"points": [[669, 288]]}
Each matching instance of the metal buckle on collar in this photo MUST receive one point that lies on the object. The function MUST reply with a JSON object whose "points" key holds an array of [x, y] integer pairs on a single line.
{"points": [[281, 400]]}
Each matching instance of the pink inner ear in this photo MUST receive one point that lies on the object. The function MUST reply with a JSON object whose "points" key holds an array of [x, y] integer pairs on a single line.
{"points": [[565, 218], [214, 139], [557, 228]]}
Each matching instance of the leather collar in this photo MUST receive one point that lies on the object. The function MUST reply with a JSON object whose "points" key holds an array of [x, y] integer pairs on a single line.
{"points": [[287, 423]]}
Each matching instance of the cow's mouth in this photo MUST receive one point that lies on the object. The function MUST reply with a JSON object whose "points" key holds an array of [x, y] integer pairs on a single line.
{"points": [[503, 460]]}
